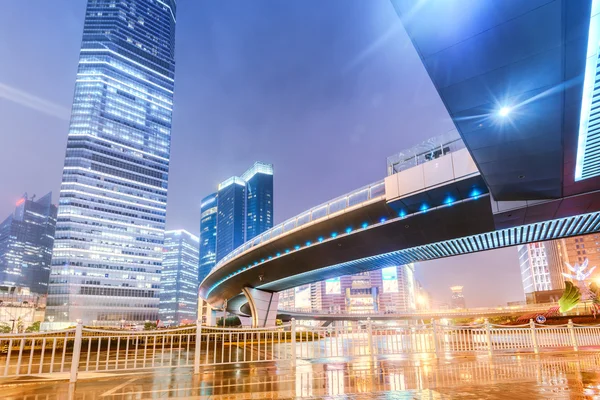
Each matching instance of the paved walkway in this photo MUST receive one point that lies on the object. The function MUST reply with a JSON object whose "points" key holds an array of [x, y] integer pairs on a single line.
{"points": [[551, 376]]}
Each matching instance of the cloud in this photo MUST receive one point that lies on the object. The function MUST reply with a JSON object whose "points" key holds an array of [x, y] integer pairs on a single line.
{"points": [[35, 103]]}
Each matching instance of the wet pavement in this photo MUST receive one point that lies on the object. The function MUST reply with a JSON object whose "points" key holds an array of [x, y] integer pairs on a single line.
{"points": [[525, 376]]}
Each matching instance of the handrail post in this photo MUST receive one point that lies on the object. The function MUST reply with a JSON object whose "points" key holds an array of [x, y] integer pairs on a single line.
{"points": [[572, 334], [198, 347], [76, 351], [434, 335], [488, 336], [536, 349], [293, 334], [370, 335]]}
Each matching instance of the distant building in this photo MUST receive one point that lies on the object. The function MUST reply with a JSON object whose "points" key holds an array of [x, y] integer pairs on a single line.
{"points": [[577, 249], [541, 266], [208, 235], [259, 199], [244, 210], [26, 241], [458, 299], [386, 290], [231, 220], [179, 279]]}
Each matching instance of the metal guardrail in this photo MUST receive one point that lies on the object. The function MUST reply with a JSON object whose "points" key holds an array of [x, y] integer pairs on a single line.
{"points": [[425, 151], [480, 311], [79, 350], [351, 199]]}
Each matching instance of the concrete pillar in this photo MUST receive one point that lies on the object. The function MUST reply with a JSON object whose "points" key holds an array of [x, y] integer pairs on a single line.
{"points": [[263, 306], [246, 321], [206, 314]]}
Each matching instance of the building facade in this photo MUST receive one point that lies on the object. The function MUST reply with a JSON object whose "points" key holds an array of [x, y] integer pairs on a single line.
{"points": [[259, 199], [231, 221], [387, 290], [208, 235], [541, 266], [111, 216], [179, 279], [577, 249], [244, 210], [26, 242], [458, 299]]}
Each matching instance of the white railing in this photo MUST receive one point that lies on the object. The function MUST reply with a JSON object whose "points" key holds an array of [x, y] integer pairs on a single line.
{"points": [[82, 350]]}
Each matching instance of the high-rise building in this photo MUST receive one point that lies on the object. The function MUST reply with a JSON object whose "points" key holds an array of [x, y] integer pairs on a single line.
{"points": [[259, 199], [208, 235], [231, 223], [458, 299], [111, 216], [26, 241], [541, 266], [244, 209], [179, 278]]}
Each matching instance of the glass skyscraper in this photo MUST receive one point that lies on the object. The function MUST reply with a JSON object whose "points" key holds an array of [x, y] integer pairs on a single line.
{"points": [[26, 240], [111, 216], [208, 235], [231, 224], [244, 208], [259, 199], [179, 280]]}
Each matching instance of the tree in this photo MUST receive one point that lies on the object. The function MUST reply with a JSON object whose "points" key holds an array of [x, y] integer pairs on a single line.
{"points": [[35, 327], [229, 321], [149, 326], [4, 328]]}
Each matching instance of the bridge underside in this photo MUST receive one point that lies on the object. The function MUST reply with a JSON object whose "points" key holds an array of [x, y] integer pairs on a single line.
{"points": [[528, 56]]}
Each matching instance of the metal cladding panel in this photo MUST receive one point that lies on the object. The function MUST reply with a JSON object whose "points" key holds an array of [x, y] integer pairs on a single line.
{"points": [[483, 55]]}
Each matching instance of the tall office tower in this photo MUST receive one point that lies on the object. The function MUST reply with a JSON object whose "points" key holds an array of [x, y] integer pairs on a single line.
{"points": [[231, 223], [113, 199], [244, 210], [458, 299], [26, 241], [541, 266], [208, 235], [179, 278], [259, 199]]}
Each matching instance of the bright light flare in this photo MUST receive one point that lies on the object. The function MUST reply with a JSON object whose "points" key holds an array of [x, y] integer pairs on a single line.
{"points": [[504, 111]]}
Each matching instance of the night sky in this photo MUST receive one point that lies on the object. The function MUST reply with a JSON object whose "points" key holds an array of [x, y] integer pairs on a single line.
{"points": [[324, 90]]}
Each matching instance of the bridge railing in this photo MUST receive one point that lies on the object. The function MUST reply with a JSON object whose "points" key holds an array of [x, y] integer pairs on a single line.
{"points": [[351, 199], [66, 354]]}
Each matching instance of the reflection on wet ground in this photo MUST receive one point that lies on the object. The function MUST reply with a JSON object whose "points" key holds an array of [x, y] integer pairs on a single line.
{"points": [[550, 376]]}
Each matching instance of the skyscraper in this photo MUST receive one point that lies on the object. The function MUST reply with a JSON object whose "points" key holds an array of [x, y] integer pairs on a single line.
{"points": [[259, 199], [231, 224], [179, 278], [111, 216], [245, 208], [26, 240], [208, 235]]}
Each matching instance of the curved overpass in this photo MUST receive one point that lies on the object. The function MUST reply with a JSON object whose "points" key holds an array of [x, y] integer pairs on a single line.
{"points": [[379, 226]]}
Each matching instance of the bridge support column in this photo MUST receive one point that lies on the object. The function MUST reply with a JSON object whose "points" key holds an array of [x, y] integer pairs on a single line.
{"points": [[263, 306], [206, 315], [246, 321]]}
